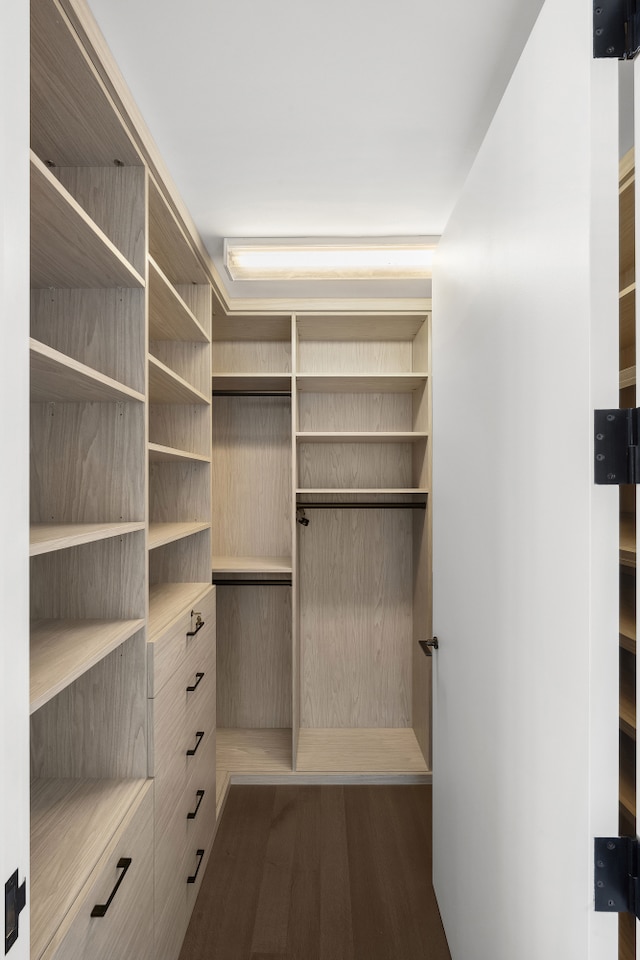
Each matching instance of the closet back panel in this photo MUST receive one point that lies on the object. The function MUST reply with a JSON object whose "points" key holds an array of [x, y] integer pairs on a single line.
{"points": [[345, 465], [368, 356], [246, 356], [356, 618], [354, 412], [184, 561], [254, 656], [251, 476]]}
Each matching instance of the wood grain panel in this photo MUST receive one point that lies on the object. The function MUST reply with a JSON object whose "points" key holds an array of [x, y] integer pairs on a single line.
{"points": [[375, 750], [165, 386], [97, 726], [72, 823], [160, 454], [167, 532], [389, 412], [179, 491], [368, 356], [255, 382], [79, 454], [183, 426], [169, 316], [127, 929], [356, 465], [358, 327], [103, 580], [251, 478], [356, 628], [103, 329], [67, 248], [627, 234], [115, 199], [51, 537], [627, 321], [170, 642], [55, 377], [359, 382], [239, 327], [199, 298], [254, 656], [421, 347], [72, 117], [246, 356], [62, 650], [184, 561], [168, 244], [189, 360]]}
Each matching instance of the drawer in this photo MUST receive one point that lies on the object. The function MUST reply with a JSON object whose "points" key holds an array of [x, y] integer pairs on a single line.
{"points": [[168, 650], [124, 872]]}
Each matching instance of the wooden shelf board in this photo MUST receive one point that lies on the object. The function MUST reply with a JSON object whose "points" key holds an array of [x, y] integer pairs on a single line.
{"points": [[55, 377], [165, 386], [359, 328], [373, 437], [251, 564], [72, 822], [251, 381], [67, 248], [238, 327], [161, 454], [169, 316], [627, 540], [360, 383], [62, 650], [377, 750], [48, 537], [167, 601], [368, 491], [628, 377], [168, 244], [163, 533]]}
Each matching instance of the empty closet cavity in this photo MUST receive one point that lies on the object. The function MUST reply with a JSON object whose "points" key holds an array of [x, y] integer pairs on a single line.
{"points": [[362, 475]]}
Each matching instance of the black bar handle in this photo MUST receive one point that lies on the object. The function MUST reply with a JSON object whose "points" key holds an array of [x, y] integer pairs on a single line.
{"points": [[194, 813], [199, 624], [199, 736], [193, 686], [101, 908], [199, 855]]}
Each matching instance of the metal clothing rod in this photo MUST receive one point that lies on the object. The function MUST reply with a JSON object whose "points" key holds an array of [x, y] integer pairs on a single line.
{"points": [[361, 505], [244, 582], [250, 393]]}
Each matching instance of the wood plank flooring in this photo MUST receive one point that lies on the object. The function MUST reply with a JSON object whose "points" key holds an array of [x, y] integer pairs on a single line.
{"points": [[319, 873]]}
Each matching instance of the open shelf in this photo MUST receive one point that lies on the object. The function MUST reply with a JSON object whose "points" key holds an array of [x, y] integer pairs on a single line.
{"points": [[169, 316], [366, 751], [165, 386], [168, 244], [67, 248], [161, 454], [62, 650], [162, 533], [243, 754], [57, 377], [48, 537], [251, 565], [251, 382], [72, 822], [167, 598], [360, 383], [362, 437]]}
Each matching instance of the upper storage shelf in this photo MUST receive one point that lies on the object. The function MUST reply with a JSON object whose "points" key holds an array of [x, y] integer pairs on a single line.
{"points": [[165, 386], [169, 316], [57, 377], [168, 245], [361, 383], [67, 248]]}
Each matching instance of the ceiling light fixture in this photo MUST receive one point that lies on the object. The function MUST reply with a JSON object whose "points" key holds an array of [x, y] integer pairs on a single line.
{"points": [[272, 259]]}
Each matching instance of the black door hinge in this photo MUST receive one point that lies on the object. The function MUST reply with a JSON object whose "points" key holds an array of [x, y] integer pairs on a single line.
{"points": [[616, 29], [617, 885], [617, 456], [15, 897]]}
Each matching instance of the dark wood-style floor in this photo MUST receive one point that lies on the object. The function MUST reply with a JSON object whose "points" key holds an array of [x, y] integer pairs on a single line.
{"points": [[320, 873]]}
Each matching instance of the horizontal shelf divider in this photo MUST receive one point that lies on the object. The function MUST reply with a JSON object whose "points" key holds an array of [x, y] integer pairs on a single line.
{"points": [[360, 383], [62, 650], [58, 378], [165, 386], [67, 248], [362, 505], [49, 537], [161, 454], [163, 533], [242, 565], [169, 316], [362, 437]]}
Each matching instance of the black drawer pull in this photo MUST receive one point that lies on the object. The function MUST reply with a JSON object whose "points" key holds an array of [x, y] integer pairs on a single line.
{"points": [[199, 677], [199, 624], [194, 813], [101, 908], [199, 855], [199, 736]]}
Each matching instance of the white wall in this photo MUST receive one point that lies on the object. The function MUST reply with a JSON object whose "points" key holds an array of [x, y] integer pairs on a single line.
{"points": [[14, 443], [525, 547]]}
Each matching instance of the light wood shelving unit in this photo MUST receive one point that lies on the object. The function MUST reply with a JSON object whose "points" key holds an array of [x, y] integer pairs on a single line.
{"points": [[627, 363]]}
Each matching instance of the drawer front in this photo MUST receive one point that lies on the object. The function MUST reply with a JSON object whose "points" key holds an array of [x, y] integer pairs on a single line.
{"points": [[171, 647], [126, 928]]}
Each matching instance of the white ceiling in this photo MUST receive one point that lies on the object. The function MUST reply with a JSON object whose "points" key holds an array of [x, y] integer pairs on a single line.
{"points": [[346, 118]]}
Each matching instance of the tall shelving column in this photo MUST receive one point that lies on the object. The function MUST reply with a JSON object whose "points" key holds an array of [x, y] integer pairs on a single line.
{"points": [[90, 799], [627, 320]]}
